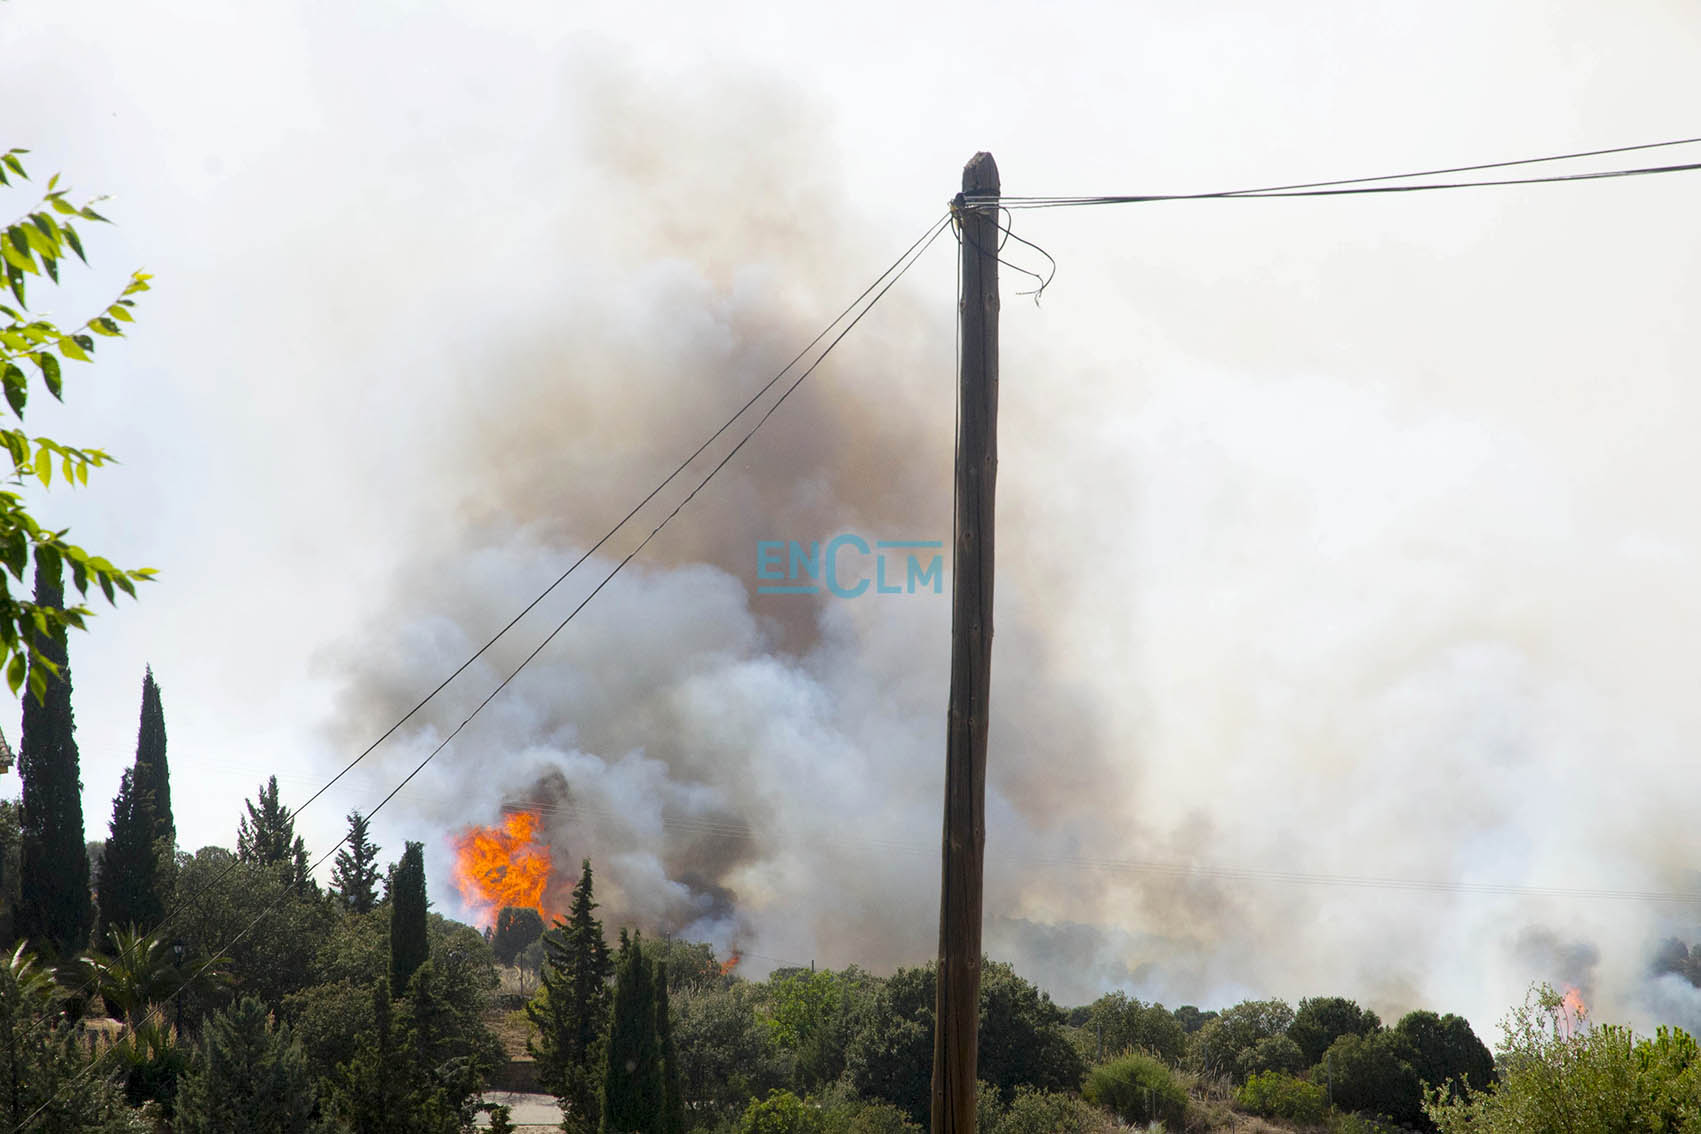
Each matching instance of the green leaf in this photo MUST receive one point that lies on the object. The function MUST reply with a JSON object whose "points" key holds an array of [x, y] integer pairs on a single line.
{"points": [[38, 685], [44, 467], [50, 373], [74, 241], [52, 182], [84, 341], [72, 349], [15, 247], [104, 326], [15, 671], [89, 214], [13, 164], [14, 279], [52, 267], [80, 576], [62, 206], [117, 311], [17, 389], [49, 231], [106, 588]]}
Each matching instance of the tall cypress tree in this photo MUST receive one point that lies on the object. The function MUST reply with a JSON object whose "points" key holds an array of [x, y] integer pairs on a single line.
{"points": [[153, 776], [408, 944], [355, 879], [54, 909], [673, 1105], [571, 1009], [632, 1082], [129, 890]]}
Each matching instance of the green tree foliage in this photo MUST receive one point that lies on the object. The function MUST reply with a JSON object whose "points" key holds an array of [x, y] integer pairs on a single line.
{"points": [[153, 774], [220, 902], [1374, 1075], [1218, 1044], [516, 927], [1117, 1023], [55, 912], [812, 1016], [1191, 1019], [11, 859], [1276, 1094], [632, 1073], [33, 348], [333, 1008], [570, 1010], [1272, 1053], [354, 877], [726, 1053], [1022, 1040], [1321, 1020], [129, 887], [42, 1062], [780, 1113], [690, 964], [267, 835], [672, 1102], [414, 1070], [408, 943], [248, 1075], [1560, 1077], [1447, 1053], [1137, 1088]]}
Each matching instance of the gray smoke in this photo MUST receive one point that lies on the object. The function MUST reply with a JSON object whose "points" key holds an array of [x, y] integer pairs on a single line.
{"points": [[1250, 682]]}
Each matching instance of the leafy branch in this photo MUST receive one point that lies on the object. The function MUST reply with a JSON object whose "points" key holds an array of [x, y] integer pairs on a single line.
{"points": [[35, 245]]}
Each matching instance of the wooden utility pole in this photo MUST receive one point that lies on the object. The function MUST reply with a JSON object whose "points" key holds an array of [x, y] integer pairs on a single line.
{"points": [[957, 1004]]}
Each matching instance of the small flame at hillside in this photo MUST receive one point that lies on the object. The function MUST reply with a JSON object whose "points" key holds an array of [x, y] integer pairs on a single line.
{"points": [[505, 865], [731, 963]]}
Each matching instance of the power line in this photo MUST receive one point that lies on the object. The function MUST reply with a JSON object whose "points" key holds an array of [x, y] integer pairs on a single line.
{"points": [[1365, 184], [884, 283]]}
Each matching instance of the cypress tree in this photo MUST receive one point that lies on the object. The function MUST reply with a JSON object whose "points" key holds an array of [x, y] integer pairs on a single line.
{"points": [[153, 776], [632, 1083], [249, 1076], [571, 1008], [267, 834], [408, 944], [54, 909], [355, 878], [129, 891], [673, 1106]]}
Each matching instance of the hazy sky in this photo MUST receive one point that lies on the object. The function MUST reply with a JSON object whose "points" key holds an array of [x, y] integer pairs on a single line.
{"points": [[1347, 537]]}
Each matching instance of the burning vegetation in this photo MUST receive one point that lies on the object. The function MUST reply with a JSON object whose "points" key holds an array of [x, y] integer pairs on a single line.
{"points": [[505, 865]]}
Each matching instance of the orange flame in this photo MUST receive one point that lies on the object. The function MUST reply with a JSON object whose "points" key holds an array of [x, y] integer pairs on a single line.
{"points": [[1573, 1010], [503, 866], [731, 963]]}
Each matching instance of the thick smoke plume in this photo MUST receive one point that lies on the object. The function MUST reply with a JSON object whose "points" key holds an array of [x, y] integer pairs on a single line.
{"points": [[1276, 709]]}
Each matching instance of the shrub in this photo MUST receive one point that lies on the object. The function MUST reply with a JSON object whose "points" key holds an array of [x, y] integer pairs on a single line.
{"points": [[1137, 1088], [781, 1113], [1045, 1112], [1277, 1095]]}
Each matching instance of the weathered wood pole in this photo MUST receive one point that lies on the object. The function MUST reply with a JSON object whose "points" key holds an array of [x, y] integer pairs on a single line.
{"points": [[957, 1004]]}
